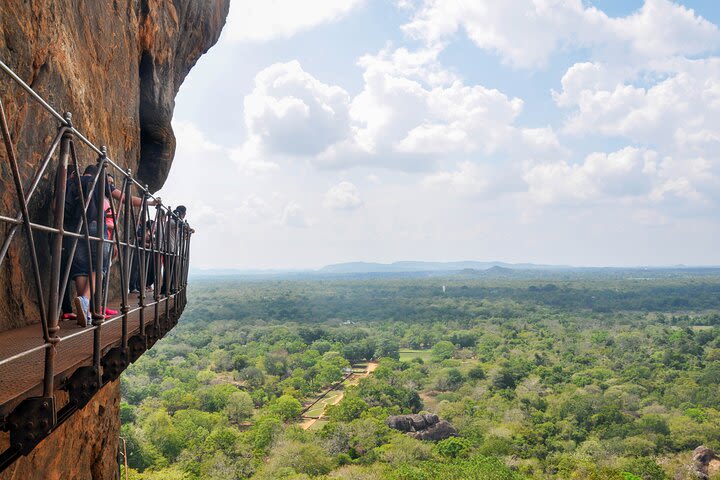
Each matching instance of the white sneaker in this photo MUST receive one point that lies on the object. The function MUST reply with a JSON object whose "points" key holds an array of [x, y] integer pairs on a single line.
{"points": [[82, 311], [88, 318]]}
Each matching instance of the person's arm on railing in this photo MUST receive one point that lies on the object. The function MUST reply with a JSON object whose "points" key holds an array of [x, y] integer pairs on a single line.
{"points": [[136, 201]]}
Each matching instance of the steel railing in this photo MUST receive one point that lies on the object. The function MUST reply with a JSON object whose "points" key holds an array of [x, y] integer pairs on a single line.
{"points": [[152, 241]]}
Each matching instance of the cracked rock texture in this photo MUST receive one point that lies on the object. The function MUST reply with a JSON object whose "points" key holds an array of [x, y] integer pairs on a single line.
{"points": [[117, 66], [83, 448], [706, 463], [422, 426]]}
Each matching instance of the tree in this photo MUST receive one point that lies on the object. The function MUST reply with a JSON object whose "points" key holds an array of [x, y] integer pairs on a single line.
{"points": [[214, 398], [239, 406], [463, 339], [450, 379], [453, 447], [443, 350], [253, 376], [285, 407], [239, 361], [387, 347], [402, 449], [504, 378], [322, 346], [420, 336], [476, 372], [354, 352], [298, 457], [162, 433], [645, 468], [127, 413], [263, 432], [349, 408], [379, 393], [276, 363], [140, 453]]}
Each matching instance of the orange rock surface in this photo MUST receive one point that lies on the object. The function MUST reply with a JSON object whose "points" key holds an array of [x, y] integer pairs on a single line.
{"points": [[117, 66], [83, 448]]}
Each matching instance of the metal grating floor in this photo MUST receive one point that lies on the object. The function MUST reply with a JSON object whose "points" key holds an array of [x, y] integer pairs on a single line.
{"points": [[22, 377]]}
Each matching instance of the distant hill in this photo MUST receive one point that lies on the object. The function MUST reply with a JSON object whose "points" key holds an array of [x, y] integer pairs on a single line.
{"points": [[412, 269], [410, 266], [496, 271]]}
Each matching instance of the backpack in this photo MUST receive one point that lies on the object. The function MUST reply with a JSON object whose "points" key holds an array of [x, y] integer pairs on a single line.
{"points": [[73, 205]]}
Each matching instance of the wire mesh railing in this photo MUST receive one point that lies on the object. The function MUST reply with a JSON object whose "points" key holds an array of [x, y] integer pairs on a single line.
{"points": [[110, 240]]}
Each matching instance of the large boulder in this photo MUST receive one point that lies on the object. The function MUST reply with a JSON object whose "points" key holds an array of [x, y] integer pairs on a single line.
{"points": [[706, 463], [439, 431], [422, 426]]}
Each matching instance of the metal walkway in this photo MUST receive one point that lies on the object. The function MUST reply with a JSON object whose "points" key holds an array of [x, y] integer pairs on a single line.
{"points": [[21, 375], [50, 369]]}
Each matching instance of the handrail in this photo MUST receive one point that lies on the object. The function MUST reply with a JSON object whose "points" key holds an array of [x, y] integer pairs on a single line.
{"points": [[163, 251]]}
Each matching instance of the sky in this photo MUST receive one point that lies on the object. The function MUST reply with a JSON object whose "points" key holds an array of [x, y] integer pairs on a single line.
{"points": [[565, 132]]}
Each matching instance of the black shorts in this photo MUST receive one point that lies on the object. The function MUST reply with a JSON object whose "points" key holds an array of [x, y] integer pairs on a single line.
{"points": [[81, 261]]}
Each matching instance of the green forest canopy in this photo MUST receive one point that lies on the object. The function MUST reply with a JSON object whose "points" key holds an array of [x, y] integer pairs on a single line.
{"points": [[589, 377]]}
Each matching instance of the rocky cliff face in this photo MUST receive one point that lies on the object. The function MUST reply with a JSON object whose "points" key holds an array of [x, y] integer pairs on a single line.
{"points": [[83, 448], [117, 66]]}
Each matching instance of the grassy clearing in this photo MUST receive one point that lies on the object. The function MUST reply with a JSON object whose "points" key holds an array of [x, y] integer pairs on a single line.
{"points": [[318, 424], [316, 410], [408, 355]]}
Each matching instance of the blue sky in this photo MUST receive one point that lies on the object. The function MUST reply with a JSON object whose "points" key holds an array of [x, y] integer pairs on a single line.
{"points": [[546, 131]]}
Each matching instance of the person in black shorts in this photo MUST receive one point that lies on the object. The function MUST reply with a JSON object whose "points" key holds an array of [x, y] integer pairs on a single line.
{"points": [[81, 271]]}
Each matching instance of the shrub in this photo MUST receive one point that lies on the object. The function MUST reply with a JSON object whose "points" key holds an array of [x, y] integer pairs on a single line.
{"points": [[453, 447]]}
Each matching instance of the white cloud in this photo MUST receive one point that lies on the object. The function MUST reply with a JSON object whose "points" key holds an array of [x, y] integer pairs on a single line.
{"points": [[410, 114], [420, 65], [678, 114], [689, 178], [626, 173], [468, 180], [251, 159], [680, 110], [426, 143], [413, 113], [254, 209], [294, 216], [343, 196], [406, 4], [260, 21], [662, 28], [204, 215], [639, 84], [526, 32], [291, 113], [192, 141], [634, 175], [521, 31]]}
